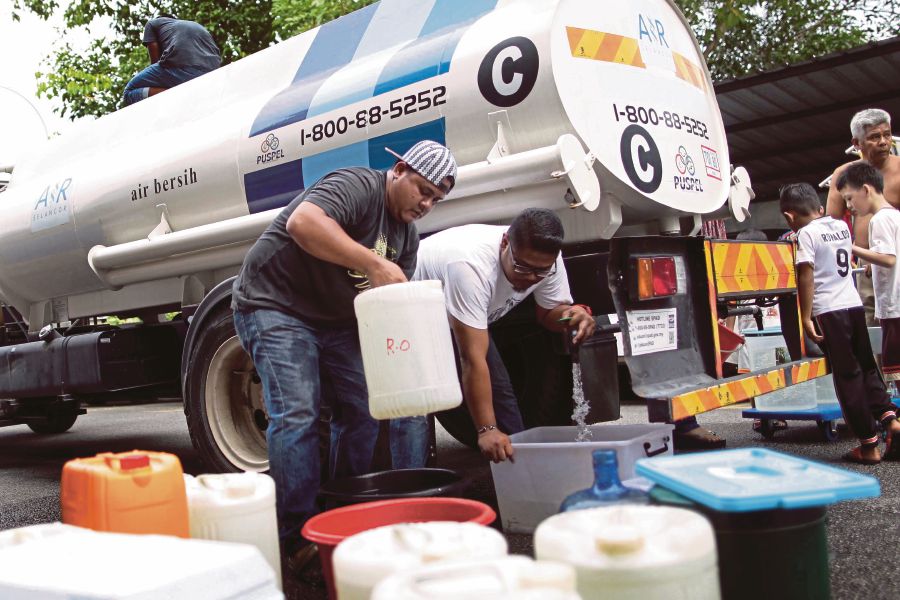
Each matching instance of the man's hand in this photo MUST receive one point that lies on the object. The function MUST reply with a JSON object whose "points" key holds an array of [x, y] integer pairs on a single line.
{"points": [[580, 321], [810, 329], [495, 445], [385, 272]]}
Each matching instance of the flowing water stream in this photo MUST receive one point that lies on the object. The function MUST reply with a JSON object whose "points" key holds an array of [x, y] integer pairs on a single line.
{"points": [[579, 415]]}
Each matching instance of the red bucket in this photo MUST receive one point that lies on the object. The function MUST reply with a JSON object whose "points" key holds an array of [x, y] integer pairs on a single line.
{"points": [[729, 342], [330, 528]]}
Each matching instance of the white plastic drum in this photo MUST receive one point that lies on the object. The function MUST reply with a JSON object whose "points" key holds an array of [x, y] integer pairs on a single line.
{"points": [[406, 350], [634, 552], [362, 560], [235, 507], [507, 578]]}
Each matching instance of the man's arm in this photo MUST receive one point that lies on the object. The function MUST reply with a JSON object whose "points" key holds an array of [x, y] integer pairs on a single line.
{"points": [[153, 49], [575, 318], [876, 258], [476, 382], [835, 207], [805, 288], [324, 238]]}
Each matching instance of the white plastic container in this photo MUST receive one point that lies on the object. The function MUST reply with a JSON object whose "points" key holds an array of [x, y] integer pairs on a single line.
{"points": [[362, 560], [825, 393], [801, 396], [634, 552], [550, 465], [406, 349], [62, 561], [507, 578], [235, 507], [760, 352]]}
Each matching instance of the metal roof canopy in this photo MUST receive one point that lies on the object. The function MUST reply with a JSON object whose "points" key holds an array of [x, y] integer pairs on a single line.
{"points": [[793, 123]]}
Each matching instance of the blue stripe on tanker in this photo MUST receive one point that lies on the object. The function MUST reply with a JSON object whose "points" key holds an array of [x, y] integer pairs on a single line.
{"points": [[334, 47], [336, 44], [277, 186]]}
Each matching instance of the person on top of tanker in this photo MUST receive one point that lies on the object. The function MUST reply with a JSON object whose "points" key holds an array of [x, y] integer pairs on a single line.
{"points": [[486, 270], [179, 51], [293, 313], [871, 131]]}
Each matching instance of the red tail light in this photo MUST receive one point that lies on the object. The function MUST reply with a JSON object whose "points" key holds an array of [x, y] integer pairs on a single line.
{"points": [[657, 277]]}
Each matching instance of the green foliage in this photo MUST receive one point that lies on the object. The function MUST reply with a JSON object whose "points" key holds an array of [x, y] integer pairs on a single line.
{"points": [[738, 36]]}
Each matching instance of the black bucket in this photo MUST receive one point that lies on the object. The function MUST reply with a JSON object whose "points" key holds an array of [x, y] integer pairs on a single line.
{"points": [[391, 485], [600, 377], [771, 554]]}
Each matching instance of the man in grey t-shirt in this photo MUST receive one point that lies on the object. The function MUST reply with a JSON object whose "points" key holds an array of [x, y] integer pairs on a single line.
{"points": [[293, 313], [179, 51]]}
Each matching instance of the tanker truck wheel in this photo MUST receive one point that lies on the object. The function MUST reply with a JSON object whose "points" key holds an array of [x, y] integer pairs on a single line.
{"points": [[58, 419], [223, 400]]}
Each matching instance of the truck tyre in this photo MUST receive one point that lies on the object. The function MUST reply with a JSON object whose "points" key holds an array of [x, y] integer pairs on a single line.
{"points": [[223, 399], [55, 422]]}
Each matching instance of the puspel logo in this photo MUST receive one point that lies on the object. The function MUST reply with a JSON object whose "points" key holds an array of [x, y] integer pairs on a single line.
{"points": [[683, 162], [269, 150], [686, 181]]}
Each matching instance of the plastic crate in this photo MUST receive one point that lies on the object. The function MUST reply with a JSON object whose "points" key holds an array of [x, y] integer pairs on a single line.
{"points": [[549, 465]]}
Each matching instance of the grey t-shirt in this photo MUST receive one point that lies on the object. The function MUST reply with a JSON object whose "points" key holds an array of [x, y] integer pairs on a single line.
{"points": [[278, 274], [182, 43]]}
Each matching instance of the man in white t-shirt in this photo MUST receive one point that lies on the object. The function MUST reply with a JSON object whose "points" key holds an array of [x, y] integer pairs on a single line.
{"points": [[827, 295], [862, 187], [486, 270]]}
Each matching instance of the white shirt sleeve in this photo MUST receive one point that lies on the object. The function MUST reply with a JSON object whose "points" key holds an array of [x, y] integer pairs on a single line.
{"points": [[806, 249], [468, 295], [554, 290], [883, 233]]}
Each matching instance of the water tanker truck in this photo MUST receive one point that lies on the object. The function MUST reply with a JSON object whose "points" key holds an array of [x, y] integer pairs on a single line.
{"points": [[601, 111]]}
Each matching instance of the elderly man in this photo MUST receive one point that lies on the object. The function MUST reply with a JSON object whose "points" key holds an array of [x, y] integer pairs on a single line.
{"points": [[871, 131], [486, 271], [293, 312]]}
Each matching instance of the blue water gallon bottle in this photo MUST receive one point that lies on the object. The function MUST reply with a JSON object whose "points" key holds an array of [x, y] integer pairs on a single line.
{"points": [[607, 488]]}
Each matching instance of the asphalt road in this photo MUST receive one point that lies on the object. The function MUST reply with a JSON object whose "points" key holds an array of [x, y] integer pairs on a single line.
{"points": [[864, 553]]}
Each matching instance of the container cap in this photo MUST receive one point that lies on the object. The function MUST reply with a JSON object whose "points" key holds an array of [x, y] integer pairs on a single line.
{"points": [[503, 578], [370, 556], [752, 479], [626, 538]]}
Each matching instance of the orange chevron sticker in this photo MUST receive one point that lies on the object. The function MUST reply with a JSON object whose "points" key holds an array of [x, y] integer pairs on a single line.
{"points": [[809, 370], [750, 267], [606, 47], [725, 393], [688, 71]]}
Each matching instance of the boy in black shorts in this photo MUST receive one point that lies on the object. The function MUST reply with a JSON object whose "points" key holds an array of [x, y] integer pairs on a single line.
{"points": [[827, 295]]}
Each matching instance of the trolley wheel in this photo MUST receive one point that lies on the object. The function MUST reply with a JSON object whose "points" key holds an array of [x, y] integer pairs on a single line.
{"points": [[829, 430], [766, 429]]}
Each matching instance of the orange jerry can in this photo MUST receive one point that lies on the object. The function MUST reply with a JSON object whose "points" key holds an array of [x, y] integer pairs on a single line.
{"points": [[129, 492]]}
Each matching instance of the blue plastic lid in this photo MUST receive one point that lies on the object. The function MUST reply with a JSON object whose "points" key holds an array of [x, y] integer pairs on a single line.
{"points": [[752, 479], [761, 332]]}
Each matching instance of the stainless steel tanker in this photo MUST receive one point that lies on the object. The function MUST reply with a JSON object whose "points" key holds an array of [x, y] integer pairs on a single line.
{"points": [[602, 111]]}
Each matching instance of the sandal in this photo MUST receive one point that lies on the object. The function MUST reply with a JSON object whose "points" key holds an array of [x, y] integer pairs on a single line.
{"points": [[698, 438], [297, 562], [774, 424], [855, 456]]}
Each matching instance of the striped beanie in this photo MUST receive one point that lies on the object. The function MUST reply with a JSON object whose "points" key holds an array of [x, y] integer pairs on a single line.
{"points": [[432, 161]]}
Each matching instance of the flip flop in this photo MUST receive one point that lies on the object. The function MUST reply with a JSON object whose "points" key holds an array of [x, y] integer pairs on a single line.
{"points": [[855, 456], [892, 450], [698, 439], [775, 424]]}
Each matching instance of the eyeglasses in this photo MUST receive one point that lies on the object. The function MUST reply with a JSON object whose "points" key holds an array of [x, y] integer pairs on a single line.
{"points": [[521, 269]]}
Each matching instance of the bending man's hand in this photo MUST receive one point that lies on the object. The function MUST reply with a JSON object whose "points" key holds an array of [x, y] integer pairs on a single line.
{"points": [[581, 322], [385, 272], [495, 445]]}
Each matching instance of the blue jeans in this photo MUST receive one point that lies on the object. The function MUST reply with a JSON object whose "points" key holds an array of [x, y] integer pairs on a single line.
{"points": [[288, 354], [409, 436], [157, 76]]}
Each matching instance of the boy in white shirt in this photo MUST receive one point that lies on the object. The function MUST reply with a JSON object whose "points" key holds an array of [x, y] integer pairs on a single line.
{"points": [[827, 295], [862, 187]]}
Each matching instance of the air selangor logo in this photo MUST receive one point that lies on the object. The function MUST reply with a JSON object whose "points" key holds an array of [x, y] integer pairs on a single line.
{"points": [[269, 150], [52, 207]]}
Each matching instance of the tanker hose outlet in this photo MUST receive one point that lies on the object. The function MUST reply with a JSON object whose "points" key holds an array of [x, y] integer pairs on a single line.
{"points": [[48, 334]]}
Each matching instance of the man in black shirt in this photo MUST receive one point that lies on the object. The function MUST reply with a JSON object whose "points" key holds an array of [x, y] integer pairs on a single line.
{"points": [[293, 312], [179, 51]]}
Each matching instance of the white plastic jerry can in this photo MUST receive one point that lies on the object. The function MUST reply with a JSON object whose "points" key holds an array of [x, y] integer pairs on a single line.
{"points": [[406, 349], [505, 578], [632, 552], [362, 560], [235, 507]]}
